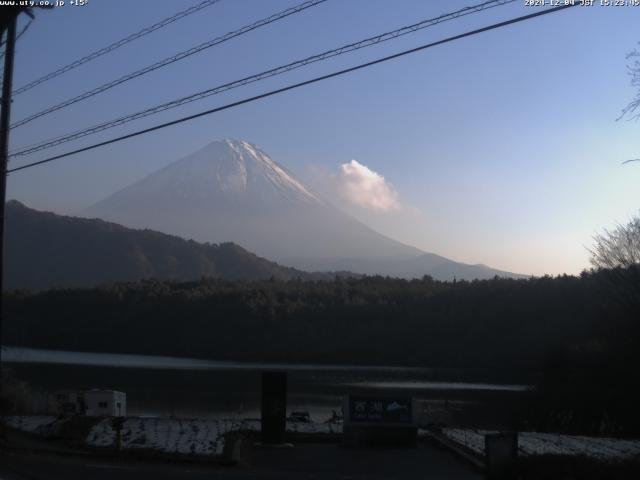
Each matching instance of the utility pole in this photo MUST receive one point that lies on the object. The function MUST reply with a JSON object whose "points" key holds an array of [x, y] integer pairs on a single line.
{"points": [[9, 20], [5, 116]]}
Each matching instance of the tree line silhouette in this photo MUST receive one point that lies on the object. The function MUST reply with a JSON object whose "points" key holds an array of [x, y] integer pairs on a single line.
{"points": [[575, 336]]}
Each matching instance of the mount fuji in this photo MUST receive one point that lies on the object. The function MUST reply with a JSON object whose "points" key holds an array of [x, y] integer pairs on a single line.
{"points": [[232, 191]]}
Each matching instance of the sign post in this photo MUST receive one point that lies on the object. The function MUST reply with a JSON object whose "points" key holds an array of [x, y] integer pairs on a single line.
{"points": [[274, 407], [379, 420], [501, 451]]}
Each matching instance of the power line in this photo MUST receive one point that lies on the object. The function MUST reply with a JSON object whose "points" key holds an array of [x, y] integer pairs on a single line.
{"points": [[260, 76], [169, 60], [24, 29], [20, 33], [110, 48], [298, 85]]}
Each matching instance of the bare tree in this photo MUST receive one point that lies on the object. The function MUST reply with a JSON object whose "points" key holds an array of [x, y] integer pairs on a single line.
{"points": [[616, 256], [617, 248], [632, 111]]}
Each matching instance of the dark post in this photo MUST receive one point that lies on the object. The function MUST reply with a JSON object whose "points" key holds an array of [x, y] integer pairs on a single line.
{"points": [[501, 451], [5, 115], [274, 407]]}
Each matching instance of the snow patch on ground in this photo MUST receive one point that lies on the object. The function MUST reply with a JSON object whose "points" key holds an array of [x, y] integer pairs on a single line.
{"points": [[186, 436], [29, 423], [168, 435], [102, 434], [534, 443]]}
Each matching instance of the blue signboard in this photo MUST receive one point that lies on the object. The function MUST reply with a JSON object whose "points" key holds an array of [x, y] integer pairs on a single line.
{"points": [[380, 410]]}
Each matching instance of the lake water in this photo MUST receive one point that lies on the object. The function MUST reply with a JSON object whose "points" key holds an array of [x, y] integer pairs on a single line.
{"points": [[187, 387]]}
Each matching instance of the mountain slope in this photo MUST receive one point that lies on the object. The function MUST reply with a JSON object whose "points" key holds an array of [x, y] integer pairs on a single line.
{"points": [[233, 191], [440, 268], [44, 250]]}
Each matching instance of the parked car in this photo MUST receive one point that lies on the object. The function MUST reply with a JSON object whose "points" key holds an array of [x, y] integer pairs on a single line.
{"points": [[302, 417]]}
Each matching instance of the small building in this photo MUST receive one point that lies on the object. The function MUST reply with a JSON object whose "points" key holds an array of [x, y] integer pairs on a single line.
{"points": [[67, 402], [105, 403]]}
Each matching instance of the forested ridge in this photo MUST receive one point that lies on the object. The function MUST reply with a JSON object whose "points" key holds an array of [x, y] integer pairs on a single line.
{"points": [[575, 337], [371, 320], [44, 250]]}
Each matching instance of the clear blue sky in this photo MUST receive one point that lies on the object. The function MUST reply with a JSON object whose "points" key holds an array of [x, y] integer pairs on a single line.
{"points": [[503, 148]]}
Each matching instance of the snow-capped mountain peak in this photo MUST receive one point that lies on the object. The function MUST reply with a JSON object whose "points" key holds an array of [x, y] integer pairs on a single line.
{"points": [[245, 166], [231, 172], [231, 190]]}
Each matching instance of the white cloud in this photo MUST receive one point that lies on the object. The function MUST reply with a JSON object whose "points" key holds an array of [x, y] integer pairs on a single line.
{"points": [[367, 189]]}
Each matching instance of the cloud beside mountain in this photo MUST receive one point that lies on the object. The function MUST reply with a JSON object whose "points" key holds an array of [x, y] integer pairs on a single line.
{"points": [[365, 188]]}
